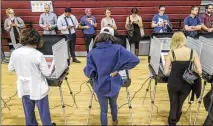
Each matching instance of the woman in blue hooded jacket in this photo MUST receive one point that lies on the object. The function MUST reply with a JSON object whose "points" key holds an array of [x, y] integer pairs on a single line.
{"points": [[103, 63]]}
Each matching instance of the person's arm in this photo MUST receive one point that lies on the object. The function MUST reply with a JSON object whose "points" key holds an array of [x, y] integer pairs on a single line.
{"points": [[95, 22], [114, 24], [55, 22], [127, 60], [75, 22], [196, 62], [154, 22], [41, 22], [90, 70], [60, 24], [44, 67], [140, 24], [11, 67], [7, 26], [102, 23], [203, 26], [20, 23], [168, 64], [82, 27]]}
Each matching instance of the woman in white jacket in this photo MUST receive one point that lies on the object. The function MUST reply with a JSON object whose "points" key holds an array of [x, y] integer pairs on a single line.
{"points": [[31, 70]]}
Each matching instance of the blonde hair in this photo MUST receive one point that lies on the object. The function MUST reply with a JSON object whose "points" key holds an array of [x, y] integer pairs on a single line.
{"points": [[10, 11], [178, 40]]}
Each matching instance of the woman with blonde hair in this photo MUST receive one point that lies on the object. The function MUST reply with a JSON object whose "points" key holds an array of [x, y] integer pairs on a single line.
{"points": [[13, 25], [179, 59]]}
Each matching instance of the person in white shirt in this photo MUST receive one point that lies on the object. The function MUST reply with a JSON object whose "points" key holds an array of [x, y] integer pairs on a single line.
{"points": [[31, 70], [68, 24]]}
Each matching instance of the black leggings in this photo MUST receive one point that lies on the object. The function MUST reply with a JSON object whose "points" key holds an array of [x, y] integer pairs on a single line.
{"points": [[136, 45], [177, 98]]}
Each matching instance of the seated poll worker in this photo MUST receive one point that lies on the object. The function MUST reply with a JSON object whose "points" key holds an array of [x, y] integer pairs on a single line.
{"points": [[31, 69], [178, 88], [207, 18], [104, 70]]}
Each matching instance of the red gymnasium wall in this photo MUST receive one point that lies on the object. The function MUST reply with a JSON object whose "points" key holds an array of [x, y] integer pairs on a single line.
{"points": [[176, 9]]}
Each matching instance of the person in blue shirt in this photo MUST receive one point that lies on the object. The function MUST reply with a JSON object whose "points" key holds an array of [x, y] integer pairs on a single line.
{"points": [[103, 63], [88, 24], [160, 20], [192, 23]]}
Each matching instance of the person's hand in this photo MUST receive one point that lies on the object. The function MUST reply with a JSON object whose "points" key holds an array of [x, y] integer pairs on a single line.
{"points": [[87, 27], [166, 22], [114, 74], [161, 23], [11, 25], [69, 27]]}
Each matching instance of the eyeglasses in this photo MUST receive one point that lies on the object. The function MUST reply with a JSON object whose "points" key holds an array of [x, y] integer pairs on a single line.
{"points": [[210, 8], [162, 10]]}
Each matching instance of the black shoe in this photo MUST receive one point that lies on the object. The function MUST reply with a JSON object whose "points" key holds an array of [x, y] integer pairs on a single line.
{"points": [[53, 124], [77, 61]]}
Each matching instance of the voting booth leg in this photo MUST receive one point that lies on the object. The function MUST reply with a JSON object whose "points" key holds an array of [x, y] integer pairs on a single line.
{"points": [[153, 101], [129, 105], [71, 93], [90, 106], [5, 104], [199, 102], [147, 90], [62, 105]]}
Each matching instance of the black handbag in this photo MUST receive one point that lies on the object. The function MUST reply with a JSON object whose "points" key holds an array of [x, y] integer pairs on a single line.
{"points": [[189, 75]]}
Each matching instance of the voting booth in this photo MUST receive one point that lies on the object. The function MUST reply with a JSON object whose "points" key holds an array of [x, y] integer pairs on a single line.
{"points": [[56, 52]]}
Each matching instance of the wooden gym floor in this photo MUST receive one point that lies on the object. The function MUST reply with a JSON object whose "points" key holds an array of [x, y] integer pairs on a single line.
{"points": [[78, 116]]}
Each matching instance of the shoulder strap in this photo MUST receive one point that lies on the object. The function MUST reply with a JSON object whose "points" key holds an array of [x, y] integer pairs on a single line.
{"points": [[191, 54], [173, 54], [129, 20], [72, 22]]}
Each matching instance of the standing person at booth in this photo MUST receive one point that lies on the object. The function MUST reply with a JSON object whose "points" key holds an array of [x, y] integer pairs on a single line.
{"points": [[103, 63], [207, 18], [135, 20], [178, 88], [192, 23], [88, 24], [48, 21], [13, 25], [68, 24], [160, 21], [31, 70]]}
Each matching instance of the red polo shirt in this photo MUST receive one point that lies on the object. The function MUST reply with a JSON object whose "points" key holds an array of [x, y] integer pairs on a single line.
{"points": [[207, 20]]}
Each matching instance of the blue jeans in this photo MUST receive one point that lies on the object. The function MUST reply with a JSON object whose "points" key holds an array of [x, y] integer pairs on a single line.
{"points": [[103, 101], [43, 108]]}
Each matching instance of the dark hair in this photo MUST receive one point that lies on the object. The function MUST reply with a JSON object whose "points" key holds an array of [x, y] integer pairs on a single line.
{"points": [[161, 7], [134, 10], [207, 6], [29, 36], [193, 7], [67, 10], [104, 37]]}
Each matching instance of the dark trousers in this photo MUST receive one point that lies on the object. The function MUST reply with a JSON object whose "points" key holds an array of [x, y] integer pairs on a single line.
{"points": [[177, 98], [43, 108], [103, 101], [136, 45], [72, 42], [87, 39]]}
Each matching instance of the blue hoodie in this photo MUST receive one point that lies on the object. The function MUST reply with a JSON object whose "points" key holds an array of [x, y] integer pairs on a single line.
{"points": [[105, 59]]}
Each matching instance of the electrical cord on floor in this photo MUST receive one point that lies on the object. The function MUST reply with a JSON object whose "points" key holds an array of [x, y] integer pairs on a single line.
{"points": [[74, 98], [6, 102], [135, 93], [91, 92]]}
